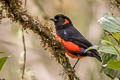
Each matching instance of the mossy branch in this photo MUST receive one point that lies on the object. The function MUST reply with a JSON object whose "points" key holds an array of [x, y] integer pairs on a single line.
{"points": [[114, 6], [18, 14], [116, 3]]}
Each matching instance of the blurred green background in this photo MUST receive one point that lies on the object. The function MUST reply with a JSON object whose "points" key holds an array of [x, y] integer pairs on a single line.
{"points": [[40, 64]]}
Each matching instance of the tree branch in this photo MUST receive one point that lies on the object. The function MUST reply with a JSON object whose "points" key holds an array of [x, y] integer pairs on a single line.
{"points": [[18, 14], [114, 6]]}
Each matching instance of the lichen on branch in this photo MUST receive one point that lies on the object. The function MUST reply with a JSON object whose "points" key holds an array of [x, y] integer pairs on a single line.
{"points": [[18, 14]]}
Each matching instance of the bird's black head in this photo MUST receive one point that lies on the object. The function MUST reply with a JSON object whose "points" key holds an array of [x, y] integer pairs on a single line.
{"points": [[61, 21]]}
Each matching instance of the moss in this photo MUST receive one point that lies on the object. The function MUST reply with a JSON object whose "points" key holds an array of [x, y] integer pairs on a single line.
{"points": [[115, 3]]}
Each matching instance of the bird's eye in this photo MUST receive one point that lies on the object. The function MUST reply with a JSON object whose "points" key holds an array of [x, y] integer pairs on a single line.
{"points": [[57, 18]]}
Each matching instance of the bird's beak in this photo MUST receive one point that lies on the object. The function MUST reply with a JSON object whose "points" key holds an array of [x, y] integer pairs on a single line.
{"points": [[53, 19]]}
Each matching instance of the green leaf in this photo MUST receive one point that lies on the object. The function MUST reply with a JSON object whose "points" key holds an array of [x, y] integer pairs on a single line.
{"points": [[107, 57], [113, 64], [2, 61], [106, 38], [105, 42], [112, 73], [111, 37], [92, 47], [107, 49], [112, 40], [116, 36], [110, 23]]}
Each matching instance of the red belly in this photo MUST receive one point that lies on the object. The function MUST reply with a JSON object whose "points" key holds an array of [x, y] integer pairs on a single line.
{"points": [[69, 45]]}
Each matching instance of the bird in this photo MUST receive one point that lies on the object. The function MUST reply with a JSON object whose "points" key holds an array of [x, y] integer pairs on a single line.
{"points": [[74, 43]]}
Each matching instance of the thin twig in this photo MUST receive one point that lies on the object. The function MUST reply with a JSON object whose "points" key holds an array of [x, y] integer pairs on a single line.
{"points": [[24, 46], [116, 49], [112, 36]]}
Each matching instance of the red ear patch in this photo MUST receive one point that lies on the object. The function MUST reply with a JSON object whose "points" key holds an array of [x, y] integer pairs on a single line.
{"points": [[66, 21]]}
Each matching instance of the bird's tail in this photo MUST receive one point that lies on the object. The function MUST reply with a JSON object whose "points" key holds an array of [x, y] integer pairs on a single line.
{"points": [[94, 53]]}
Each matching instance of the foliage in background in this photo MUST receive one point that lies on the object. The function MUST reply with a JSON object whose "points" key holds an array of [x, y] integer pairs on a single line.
{"points": [[2, 61], [110, 47]]}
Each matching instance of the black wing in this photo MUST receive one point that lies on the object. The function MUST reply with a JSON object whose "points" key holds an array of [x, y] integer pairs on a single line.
{"points": [[76, 37]]}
